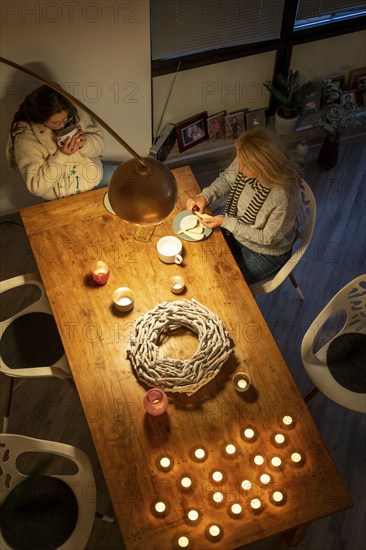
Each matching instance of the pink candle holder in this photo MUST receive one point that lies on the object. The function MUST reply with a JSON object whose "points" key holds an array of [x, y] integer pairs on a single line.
{"points": [[100, 272], [155, 402]]}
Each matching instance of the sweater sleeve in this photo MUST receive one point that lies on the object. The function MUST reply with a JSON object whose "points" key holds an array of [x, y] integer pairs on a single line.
{"points": [[94, 144], [222, 184]]}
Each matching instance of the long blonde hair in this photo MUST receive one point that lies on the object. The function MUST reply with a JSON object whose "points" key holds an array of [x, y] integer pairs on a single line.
{"points": [[262, 151]]}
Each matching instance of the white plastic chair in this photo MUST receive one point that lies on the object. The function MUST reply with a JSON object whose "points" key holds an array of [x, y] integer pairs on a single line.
{"points": [[306, 216], [81, 483], [350, 301], [58, 368]]}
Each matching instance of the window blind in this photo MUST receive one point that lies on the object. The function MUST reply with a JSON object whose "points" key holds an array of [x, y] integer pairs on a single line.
{"points": [[183, 27], [316, 12]]}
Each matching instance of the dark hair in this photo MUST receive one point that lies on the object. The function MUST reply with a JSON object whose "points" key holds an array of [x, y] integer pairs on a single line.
{"points": [[38, 107], [41, 104]]}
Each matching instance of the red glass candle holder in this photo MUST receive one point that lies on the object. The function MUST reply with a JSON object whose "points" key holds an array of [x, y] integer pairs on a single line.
{"points": [[100, 273], [155, 402]]}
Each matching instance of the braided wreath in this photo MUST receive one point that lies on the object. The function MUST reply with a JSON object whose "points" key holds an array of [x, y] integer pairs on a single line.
{"points": [[155, 369]]}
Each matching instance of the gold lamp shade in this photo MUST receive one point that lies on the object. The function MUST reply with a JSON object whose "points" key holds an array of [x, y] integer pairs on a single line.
{"points": [[142, 193], [142, 190]]}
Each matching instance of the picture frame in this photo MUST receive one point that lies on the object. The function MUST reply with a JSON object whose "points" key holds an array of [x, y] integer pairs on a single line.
{"points": [[349, 99], [312, 101], [216, 126], [357, 79], [332, 89], [255, 118], [191, 131], [234, 125]]}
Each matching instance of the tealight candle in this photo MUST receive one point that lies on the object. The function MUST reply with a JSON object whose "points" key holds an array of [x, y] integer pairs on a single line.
{"points": [[246, 485], [160, 507], [155, 402], [287, 420], [193, 515], [177, 284], [186, 482], [241, 381], [258, 459], [200, 454], [255, 503], [100, 272], [277, 497], [165, 463], [218, 497], [217, 476], [296, 457], [279, 439], [123, 298], [183, 542], [276, 461], [265, 479], [249, 433], [236, 509], [230, 449], [214, 530]]}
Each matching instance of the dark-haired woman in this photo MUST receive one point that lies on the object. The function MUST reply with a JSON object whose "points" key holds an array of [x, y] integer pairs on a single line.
{"points": [[52, 168]]}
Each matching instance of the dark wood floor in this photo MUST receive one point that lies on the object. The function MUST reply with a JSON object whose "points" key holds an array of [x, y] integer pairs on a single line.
{"points": [[50, 409]]}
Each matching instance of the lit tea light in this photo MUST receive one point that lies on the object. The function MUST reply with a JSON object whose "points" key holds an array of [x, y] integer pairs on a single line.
{"points": [[249, 434], [193, 515], [230, 449], [160, 507], [177, 284], [296, 458], [276, 461], [279, 439], [165, 463], [246, 484], [183, 542], [217, 476], [100, 272], [214, 530], [255, 503], [277, 497], [236, 509], [287, 420], [200, 454], [265, 479], [258, 459], [186, 482], [218, 497], [241, 381]]}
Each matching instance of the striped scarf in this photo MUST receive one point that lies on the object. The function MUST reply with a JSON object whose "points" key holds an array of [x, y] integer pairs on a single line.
{"points": [[255, 204]]}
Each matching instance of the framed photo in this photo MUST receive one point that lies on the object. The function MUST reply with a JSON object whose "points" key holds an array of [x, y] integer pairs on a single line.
{"points": [[216, 126], [349, 99], [191, 131], [255, 118], [332, 90], [234, 125], [312, 101], [357, 79]]}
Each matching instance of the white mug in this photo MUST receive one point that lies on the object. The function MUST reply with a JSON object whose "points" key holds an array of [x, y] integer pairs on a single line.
{"points": [[169, 250]]}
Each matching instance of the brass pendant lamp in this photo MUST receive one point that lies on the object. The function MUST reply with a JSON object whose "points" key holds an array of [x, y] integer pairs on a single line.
{"points": [[142, 190]]}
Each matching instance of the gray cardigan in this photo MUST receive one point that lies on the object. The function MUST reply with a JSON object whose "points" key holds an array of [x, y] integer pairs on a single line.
{"points": [[274, 229]]}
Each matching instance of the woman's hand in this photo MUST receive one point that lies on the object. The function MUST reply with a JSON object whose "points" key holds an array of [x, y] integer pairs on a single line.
{"points": [[73, 144], [199, 201], [212, 222]]}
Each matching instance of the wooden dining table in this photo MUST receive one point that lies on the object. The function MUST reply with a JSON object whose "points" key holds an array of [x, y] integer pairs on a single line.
{"points": [[232, 503]]}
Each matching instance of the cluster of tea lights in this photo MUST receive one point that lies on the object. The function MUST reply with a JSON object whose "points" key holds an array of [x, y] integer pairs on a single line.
{"points": [[199, 454]]}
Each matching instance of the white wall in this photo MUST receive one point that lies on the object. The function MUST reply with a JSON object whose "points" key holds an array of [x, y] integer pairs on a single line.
{"points": [[99, 51]]}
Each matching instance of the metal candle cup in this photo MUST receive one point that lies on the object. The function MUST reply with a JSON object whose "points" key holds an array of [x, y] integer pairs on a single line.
{"points": [[241, 381]]}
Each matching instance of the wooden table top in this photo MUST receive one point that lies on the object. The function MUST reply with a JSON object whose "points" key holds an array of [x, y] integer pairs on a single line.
{"points": [[67, 237]]}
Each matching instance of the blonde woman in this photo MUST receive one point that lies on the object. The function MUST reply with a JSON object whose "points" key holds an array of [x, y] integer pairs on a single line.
{"points": [[260, 213]]}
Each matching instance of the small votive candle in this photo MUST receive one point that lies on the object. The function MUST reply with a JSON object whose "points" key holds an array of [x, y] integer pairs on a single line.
{"points": [[192, 515], [214, 531], [265, 479], [183, 542], [165, 463], [296, 458], [160, 508], [155, 402], [276, 461], [255, 503], [246, 485], [236, 510], [218, 497], [177, 284], [277, 497], [241, 381], [279, 439], [287, 420], [258, 459], [199, 454], [217, 476], [230, 449], [186, 482], [100, 272]]}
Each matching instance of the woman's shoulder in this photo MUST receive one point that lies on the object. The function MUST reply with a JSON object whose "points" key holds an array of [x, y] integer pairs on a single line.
{"points": [[285, 193], [20, 127]]}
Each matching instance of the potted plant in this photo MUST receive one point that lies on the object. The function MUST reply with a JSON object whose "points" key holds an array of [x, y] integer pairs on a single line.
{"points": [[289, 93], [334, 122]]}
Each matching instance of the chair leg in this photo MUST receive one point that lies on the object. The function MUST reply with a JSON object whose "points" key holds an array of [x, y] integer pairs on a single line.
{"points": [[8, 400], [296, 286], [311, 394]]}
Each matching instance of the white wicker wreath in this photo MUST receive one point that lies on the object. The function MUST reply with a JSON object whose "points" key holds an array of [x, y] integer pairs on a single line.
{"points": [[155, 369]]}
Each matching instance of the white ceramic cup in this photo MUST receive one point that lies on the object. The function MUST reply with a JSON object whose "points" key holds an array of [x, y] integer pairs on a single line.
{"points": [[123, 299], [169, 250]]}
